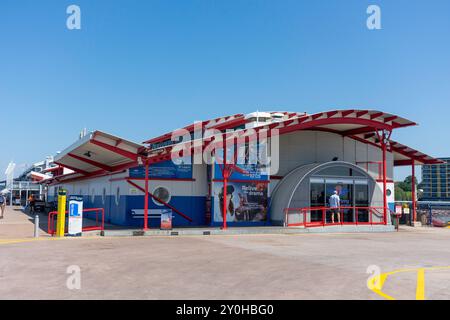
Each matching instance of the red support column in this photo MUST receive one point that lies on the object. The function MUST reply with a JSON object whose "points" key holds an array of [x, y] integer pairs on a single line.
{"points": [[413, 191], [384, 148], [146, 196], [225, 186]]}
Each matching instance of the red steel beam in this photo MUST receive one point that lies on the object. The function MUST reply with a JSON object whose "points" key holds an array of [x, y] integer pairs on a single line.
{"points": [[160, 201], [346, 113], [321, 122], [122, 152], [388, 119], [91, 162], [72, 168], [332, 113], [358, 131], [376, 115], [361, 113]]}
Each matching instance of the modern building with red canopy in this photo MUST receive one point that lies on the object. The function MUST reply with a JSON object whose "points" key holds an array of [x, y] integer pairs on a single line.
{"points": [[302, 159]]}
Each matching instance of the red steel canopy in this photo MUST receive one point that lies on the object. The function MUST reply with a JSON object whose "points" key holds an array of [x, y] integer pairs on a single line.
{"points": [[100, 153], [360, 125]]}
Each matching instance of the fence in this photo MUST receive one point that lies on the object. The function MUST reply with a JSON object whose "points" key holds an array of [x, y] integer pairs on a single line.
{"points": [[99, 225], [323, 216], [429, 213]]}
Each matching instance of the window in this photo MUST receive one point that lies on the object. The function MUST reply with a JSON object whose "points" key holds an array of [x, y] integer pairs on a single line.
{"points": [[161, 193], [117, 196], [104, 196], [339, 171]]}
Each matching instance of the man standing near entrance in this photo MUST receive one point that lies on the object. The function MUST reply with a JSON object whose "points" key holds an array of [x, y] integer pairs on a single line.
{"points": [[335, 204]]}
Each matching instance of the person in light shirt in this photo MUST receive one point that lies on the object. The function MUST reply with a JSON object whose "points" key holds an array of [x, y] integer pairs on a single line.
{"points": [[335, 204]]}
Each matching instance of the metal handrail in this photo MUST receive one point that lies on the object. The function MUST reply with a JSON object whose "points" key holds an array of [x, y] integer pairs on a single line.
{"points": [[51, 221], [371, 211]]}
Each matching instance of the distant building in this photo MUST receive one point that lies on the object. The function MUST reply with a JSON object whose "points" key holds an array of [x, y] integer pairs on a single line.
{"points": [[26, 183], [436, 181]]}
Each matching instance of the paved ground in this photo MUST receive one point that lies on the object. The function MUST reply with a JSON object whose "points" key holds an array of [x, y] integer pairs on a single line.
{"points": [[16, 224], [310, 266]]}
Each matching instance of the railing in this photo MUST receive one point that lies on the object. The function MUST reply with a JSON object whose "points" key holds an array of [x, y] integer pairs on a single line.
{"points": [[51, 221], [322, 216]]}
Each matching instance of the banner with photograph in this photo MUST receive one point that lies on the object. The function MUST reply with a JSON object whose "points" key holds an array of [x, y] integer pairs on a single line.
{"points": [[246, 202]]}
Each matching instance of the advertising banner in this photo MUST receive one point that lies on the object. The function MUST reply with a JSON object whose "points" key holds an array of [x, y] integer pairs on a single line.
{"points": [[246, 202], [165, 170], [244, 172], [246, 166], [75, 215], [166, 219]]}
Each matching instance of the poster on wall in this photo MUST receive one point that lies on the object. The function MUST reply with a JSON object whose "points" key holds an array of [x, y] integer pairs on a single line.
{"points": [[166, 219], [165, 170], [246, 202]]}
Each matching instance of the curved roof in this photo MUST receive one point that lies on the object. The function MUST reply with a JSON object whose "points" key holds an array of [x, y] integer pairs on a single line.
{"points": [[353, 123], [100, 153]]}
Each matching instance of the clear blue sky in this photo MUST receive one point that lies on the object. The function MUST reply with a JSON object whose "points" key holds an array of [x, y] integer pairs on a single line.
{"points": [[140, 68]]}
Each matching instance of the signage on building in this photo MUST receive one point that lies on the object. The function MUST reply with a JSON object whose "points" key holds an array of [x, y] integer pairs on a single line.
{"points": [[165, 170], [249, 163], [75, 215], [166, 219]]}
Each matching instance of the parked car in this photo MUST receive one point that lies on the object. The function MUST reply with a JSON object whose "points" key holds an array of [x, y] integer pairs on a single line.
{"points": [[441, 221]]}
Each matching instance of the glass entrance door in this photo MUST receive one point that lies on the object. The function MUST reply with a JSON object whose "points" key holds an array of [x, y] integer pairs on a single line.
{"points": [[344, 188], [352, 188]]}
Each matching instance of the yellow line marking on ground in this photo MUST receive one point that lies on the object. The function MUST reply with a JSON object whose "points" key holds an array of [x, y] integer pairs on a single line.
{"points": [[420, 290], [25, 240], [376, 283]]}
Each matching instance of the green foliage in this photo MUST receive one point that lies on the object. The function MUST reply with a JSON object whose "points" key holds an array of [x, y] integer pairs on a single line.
{"points": [[402, 195], [403, 190]]}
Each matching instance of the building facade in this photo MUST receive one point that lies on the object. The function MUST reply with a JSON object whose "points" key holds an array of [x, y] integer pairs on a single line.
{"points": [[436, 181], [302, 160]]}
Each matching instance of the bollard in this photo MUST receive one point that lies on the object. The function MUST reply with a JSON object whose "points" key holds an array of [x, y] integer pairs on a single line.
{"points": [[61, 220], [36, 226]]}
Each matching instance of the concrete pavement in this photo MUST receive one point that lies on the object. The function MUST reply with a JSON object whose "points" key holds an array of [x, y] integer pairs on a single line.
{"points": [[300, 266], [16, 224]]}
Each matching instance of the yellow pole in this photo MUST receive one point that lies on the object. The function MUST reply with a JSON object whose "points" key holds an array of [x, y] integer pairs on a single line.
{"points": [[61, 221]]}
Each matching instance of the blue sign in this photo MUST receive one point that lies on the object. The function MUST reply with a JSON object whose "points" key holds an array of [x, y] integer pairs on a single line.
{"points": [[75, 215], [165, 170], [253, 172]]}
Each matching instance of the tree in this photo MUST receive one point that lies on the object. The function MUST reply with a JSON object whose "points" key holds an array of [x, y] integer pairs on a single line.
{"points": [[403, 190]]}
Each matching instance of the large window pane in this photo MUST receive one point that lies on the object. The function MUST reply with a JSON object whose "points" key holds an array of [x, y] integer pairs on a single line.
{"points": [[362, 200]]}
